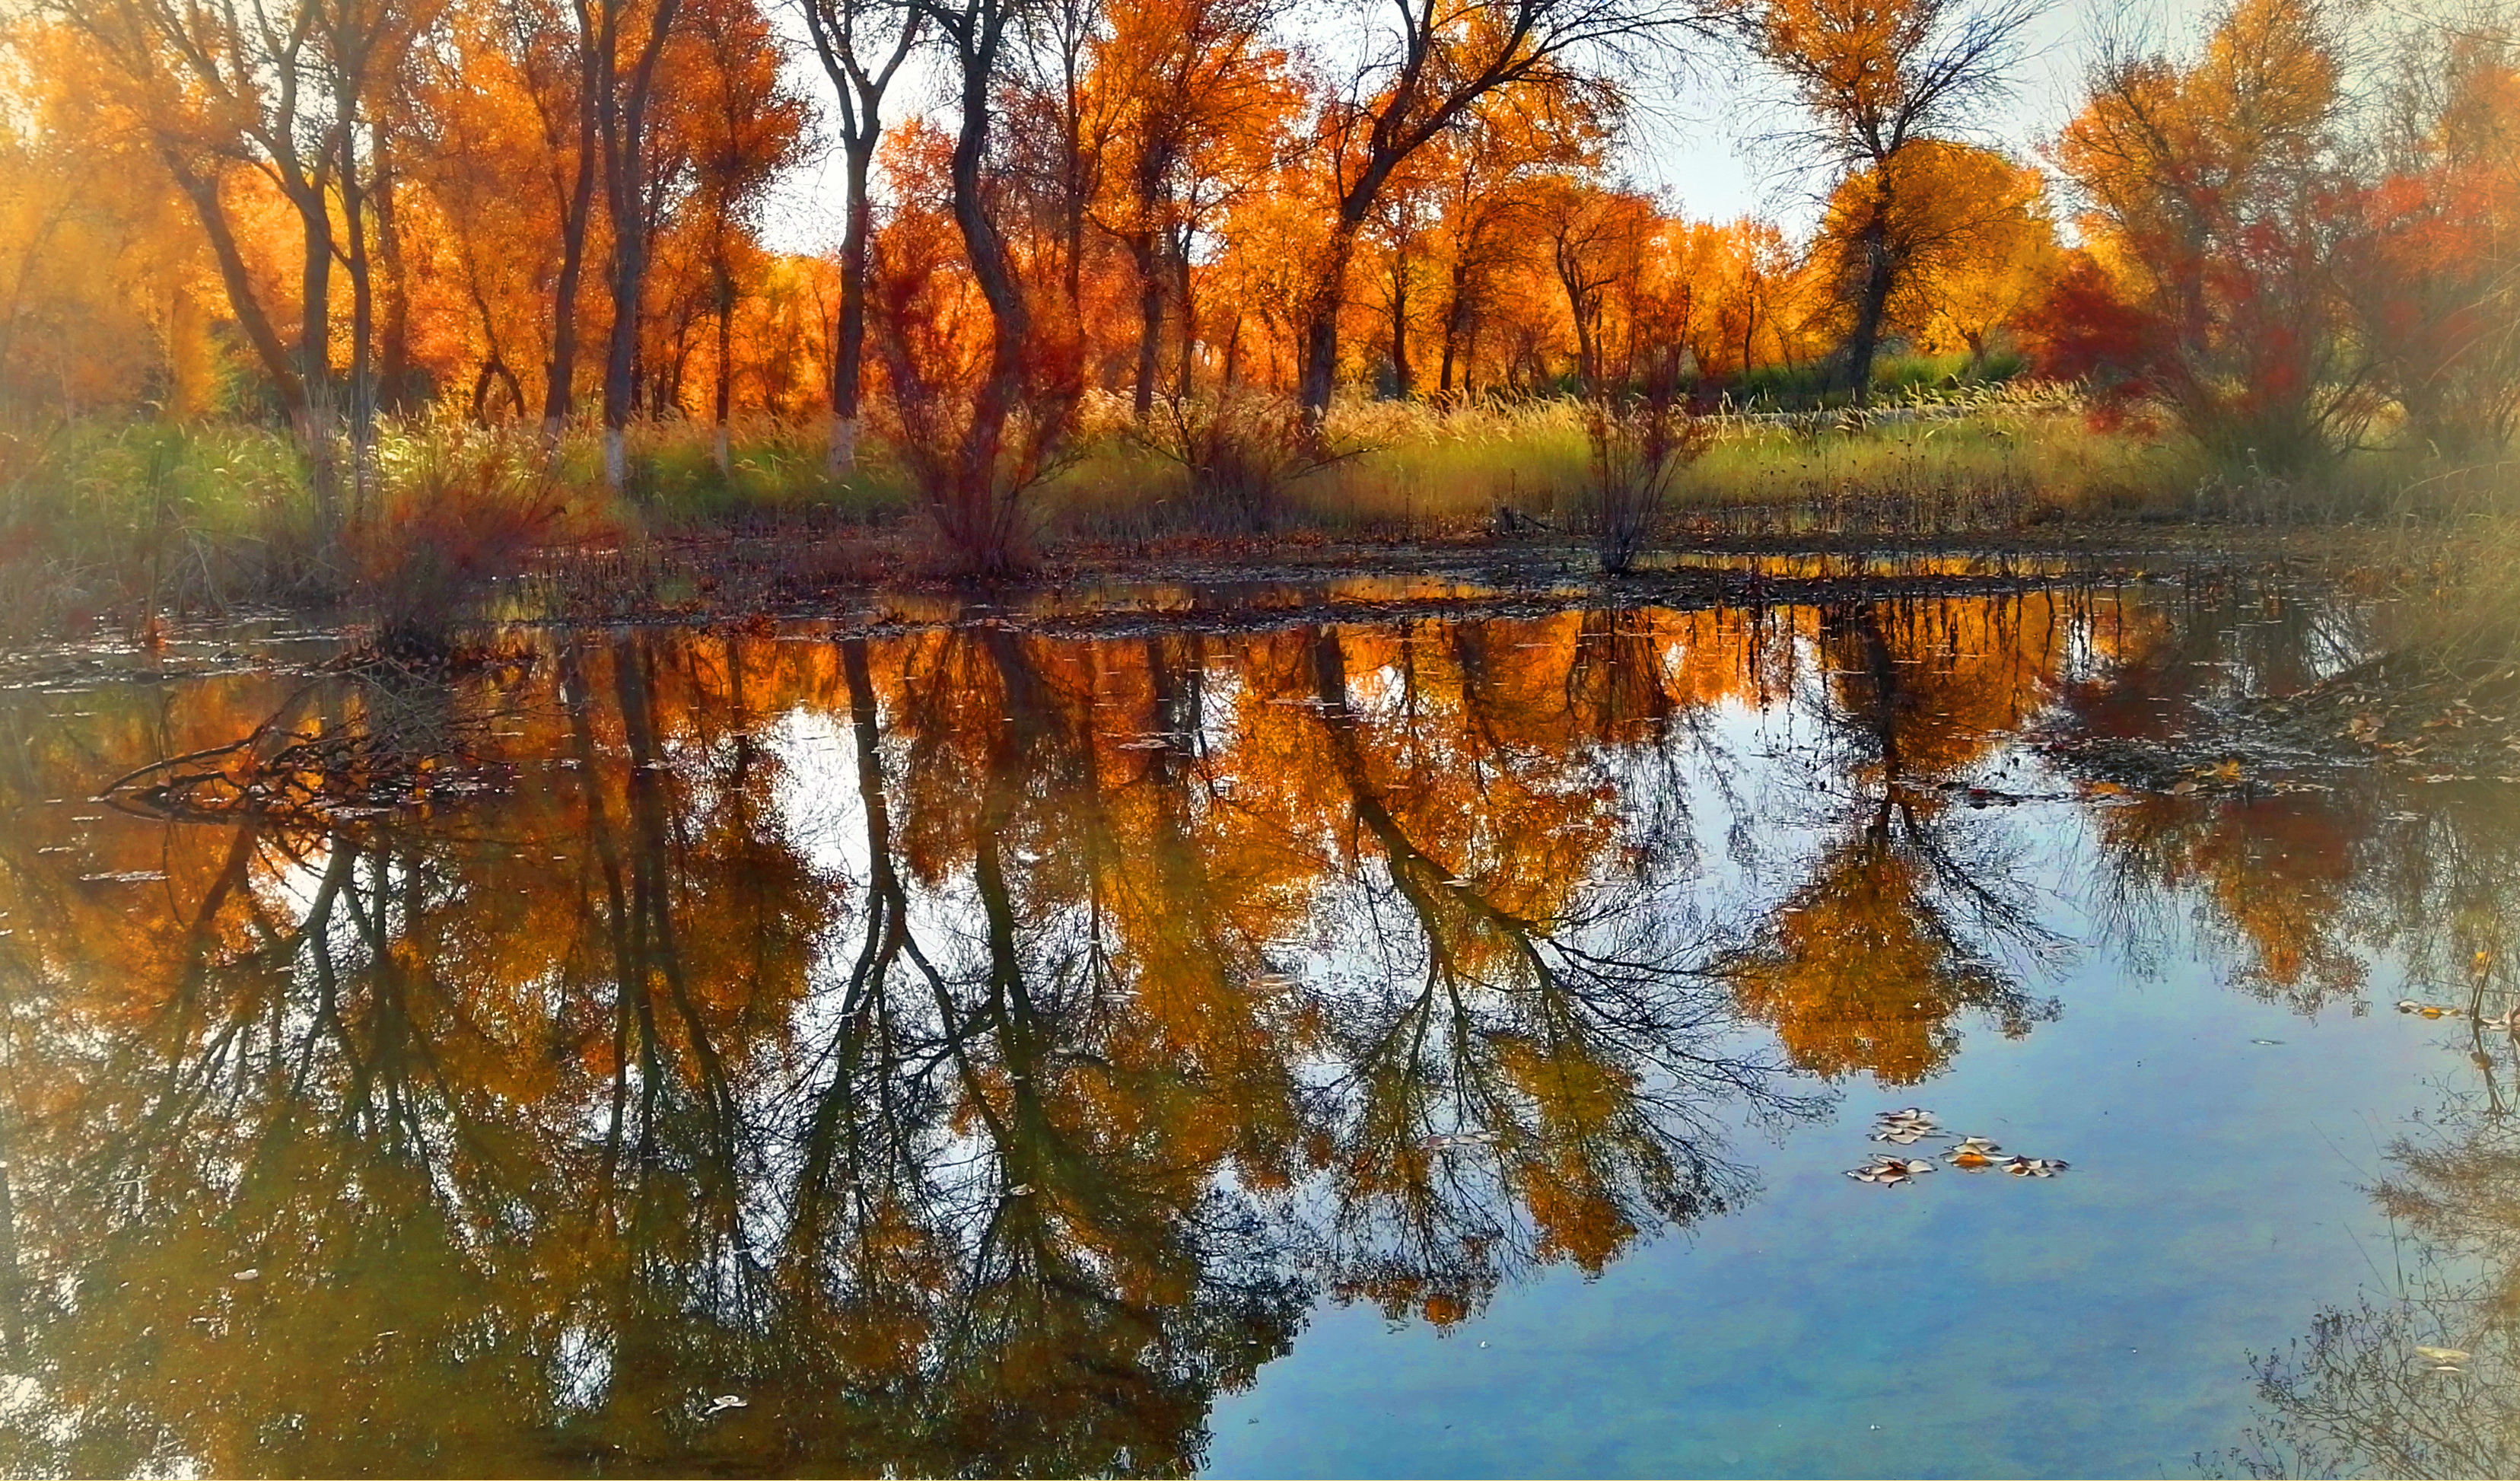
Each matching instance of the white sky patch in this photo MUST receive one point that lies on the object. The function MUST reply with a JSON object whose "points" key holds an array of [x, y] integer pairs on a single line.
{"points": [[1704, 138]]}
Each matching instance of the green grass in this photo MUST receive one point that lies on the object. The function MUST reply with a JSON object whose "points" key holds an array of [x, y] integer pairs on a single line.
{"points": [[105, 522], [775, 478], [1421, 468]]}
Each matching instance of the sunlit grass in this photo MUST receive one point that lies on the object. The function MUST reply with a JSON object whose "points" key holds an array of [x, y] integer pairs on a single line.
{"points": [[1423, 469], [105, 521]]}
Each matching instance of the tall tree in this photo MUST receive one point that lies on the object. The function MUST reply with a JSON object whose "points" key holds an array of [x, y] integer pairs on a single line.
{"points": [[621, 102], [1878, 77], [2212, 222], [1967, 229], [1416, 76], [277, 84], [1198, 105], [744, 125], [862, 45], [963, 456]]}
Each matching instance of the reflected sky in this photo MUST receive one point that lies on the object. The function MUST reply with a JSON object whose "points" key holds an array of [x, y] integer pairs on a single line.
{"points": [[1421, 1044]]}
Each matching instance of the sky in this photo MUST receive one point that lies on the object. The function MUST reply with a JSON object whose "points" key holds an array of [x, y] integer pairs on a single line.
{"points": [[1701, 142]]}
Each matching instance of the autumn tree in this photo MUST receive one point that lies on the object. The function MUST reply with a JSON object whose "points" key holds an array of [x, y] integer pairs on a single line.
{"points": [[1598, 238], [975, 447], [743, 125], [1418, 72], [1489, 171], [1966, 229], [2213, 214], [1199, 105], [620, 91], [104, 284], [1878, 78], [278, 86], [2432, 265], [862, 45]]}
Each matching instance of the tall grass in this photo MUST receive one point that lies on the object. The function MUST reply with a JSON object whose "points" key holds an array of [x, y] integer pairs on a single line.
{"points": [[1425, 469], [455, 513], [114, 523], [2448, 560]]}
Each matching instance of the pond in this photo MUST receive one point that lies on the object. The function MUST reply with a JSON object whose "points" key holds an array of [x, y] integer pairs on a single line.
{"points": [[1266, 1038]]}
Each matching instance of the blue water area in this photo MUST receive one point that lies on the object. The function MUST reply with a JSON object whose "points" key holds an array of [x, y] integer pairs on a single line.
{"points": [[1963, 1324], [1162, 1038]]}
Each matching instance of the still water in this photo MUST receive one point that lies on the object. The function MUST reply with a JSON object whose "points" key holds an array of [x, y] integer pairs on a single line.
{"points": [[1250, 1044]]}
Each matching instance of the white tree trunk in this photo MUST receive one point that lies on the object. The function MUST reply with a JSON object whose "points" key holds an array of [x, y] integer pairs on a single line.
{"points": [[617, 461], [840, 456]]}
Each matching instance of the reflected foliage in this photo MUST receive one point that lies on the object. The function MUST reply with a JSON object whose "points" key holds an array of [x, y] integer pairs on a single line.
{"points": [[979, 1049], [2418, 1378]]}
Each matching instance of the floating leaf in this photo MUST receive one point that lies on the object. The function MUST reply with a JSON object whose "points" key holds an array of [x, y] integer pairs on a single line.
{"points": [[1890, 1171], [1905, 1126], [1974, 1153]]}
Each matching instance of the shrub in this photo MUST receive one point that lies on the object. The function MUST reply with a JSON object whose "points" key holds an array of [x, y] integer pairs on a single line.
{"points": [[460, 511], [1638, 446], [1241, 450]]}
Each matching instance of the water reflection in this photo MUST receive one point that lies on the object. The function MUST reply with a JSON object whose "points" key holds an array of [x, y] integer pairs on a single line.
{"points": [[1908, 914], [2418, 1378], [976, 1050]]}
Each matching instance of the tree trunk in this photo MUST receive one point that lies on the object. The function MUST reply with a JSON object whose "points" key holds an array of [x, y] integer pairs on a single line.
{"points": [[625, 137], [1873, 302], [1317, 338], [1182, 381], [1151, 323], [363, 321], [975, 518], [238, 280], [1402, 386], [393, 371], [1455, 311], [576, 213], [315, 357], [725, 364], [848, 356]]}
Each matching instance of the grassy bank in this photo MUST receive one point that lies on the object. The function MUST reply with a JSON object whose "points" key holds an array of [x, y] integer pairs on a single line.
{"points": [[119, 524]]}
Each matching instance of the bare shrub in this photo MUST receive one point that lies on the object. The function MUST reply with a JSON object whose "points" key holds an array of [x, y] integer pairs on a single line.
{"points": [[1240, 449], [457, 513], [982, 421], [1640, 443]]}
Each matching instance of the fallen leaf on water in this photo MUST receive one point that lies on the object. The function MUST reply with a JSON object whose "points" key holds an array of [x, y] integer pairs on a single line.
{"points": [[1974, 1153], [1890, 1171], [724, 1401], [2442, 1354], [1905, 1126]]}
